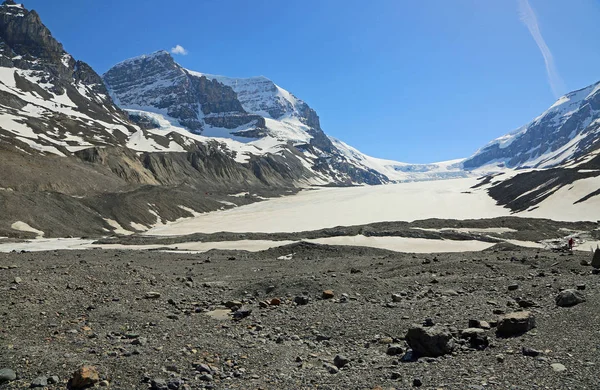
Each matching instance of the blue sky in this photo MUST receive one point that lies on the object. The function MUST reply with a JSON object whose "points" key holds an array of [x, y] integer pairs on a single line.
{"points": [[415, 81]]}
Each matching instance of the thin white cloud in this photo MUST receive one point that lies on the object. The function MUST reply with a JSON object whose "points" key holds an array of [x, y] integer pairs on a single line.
{"points": [[178, 49], [529, 18]]}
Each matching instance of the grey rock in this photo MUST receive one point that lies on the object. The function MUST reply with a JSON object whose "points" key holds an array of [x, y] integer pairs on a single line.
{"points": [[568, 298], [340, 361], [301, 300], [430, 341], [7, 375], [331, 368], [530, 352], [515, 324], [159, 384], [40, 381], [394, 349], [476, 337], [557, 367]]}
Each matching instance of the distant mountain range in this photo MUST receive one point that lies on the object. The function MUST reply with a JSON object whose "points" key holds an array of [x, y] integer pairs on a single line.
{"points": [[151, 141]]}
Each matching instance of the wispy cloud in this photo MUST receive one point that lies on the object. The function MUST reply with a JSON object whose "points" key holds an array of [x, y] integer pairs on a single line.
{"points": [[178, 49], [529, 18]]}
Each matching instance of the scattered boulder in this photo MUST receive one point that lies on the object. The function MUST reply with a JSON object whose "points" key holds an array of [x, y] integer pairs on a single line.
{"points": [[515, 324], [530, 352], [242, 312], [275, 302], [40, 381], [159, 384], [7, 375], [568, 298], [328, 294], [152, 295], [479, 324], [394, 349], [85, 376], [396, 297], [301, 300], [476, 337], [557, 367], [431, 341], [340, 361], [331, 368], [513, 287]]}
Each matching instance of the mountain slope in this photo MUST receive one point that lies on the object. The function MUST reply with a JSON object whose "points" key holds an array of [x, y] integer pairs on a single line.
{"points": [[570, 128]]}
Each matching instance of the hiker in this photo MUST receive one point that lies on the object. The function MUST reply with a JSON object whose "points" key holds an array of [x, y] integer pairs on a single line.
{"points": [[571, 242]]}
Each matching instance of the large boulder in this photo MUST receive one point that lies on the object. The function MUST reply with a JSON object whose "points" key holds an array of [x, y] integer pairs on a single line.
{"points": [[515, 324], [568, 298], [430, 341], [84, 377]]}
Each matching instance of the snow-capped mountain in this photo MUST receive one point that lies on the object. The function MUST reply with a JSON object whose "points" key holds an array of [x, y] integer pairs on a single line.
{"points": [[254, 116], [570, 128]]}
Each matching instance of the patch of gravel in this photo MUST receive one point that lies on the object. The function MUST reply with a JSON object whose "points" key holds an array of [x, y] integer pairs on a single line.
{"points": [[140, 319]]}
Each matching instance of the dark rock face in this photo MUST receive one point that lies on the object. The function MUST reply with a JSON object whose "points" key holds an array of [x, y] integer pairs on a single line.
{"points": [[534, 144], [157, 81]]}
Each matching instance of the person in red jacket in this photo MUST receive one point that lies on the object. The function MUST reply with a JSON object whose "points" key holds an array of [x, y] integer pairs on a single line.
{"points": [[571, 242]]}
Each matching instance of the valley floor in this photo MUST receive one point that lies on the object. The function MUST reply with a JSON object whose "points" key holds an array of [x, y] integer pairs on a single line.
{"points": [[62, 309]]}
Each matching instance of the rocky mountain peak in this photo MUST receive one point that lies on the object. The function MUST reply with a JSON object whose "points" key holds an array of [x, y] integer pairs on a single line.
{"points": [[24, 32]]}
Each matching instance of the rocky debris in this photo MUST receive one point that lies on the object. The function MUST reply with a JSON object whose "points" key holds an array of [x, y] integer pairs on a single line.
{"points": [[275, 302], [568, 298], [431, 341], [84, 377], [515, 324], [327, 294], [596, 258], [7, 375], [396, 298], [417, 382], [513, 287], [581, 286], [476, 338], [290, 346], [152, 295]]}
